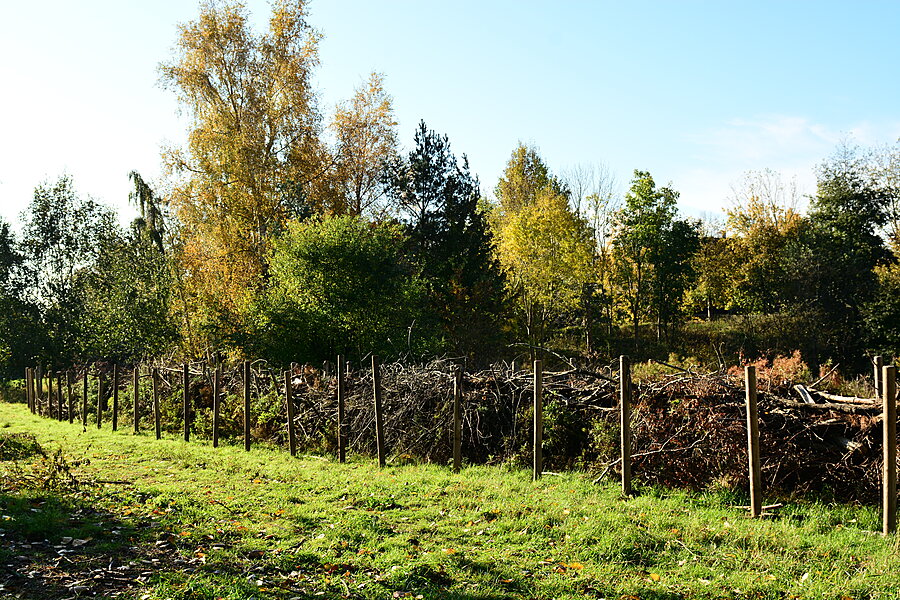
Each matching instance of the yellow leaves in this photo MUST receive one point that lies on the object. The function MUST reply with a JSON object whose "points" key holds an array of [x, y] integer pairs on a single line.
{"points": [[545, 251], [449, 551], [654, 577], [254, 133], [366, 133], [563, 567]]}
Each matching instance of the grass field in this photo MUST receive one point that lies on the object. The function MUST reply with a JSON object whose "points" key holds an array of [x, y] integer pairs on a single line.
{"points": [[165, 519]]}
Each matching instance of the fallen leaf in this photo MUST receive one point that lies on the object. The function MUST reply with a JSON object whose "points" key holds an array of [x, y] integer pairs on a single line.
{"points": [[655, 577]]}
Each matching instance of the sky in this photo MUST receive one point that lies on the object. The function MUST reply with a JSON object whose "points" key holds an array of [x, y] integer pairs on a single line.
{"points": [[696, 93]]}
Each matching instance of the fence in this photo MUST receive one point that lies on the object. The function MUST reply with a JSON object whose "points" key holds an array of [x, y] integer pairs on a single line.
{"points": [[197, 378]]}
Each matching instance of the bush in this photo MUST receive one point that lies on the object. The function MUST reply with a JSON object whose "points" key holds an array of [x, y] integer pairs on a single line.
{"points": [[341, 286]]}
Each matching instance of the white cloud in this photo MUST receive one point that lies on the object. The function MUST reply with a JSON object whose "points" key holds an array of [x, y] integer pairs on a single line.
{"points": [[790, 145], [762, 142]]}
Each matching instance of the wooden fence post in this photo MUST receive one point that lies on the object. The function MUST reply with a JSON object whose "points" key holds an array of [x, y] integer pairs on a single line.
{"points": [[186, 382], [289, 402], [115, 392], [889, 485], [35, 399], [457, 419], [69, 395], [538, 420], [155, 383], [341, 433], [31, 390], [40, 387], [625, 390], [136, 409], [879, 365], [753, 442], [27, 390], [59, 397], [50, 393], [99, 398], [217, 390], [247, 405], [84, 399], [379, 420], [28, 395]]}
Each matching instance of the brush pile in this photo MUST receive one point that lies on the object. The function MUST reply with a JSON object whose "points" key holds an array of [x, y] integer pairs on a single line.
{"points": [[689, 429]]}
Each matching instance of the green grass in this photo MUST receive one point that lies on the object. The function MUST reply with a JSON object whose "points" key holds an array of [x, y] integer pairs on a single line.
{"points": [[224, 523]]}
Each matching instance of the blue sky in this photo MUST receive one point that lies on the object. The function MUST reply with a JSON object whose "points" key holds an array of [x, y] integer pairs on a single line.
{"points": [[694, 92]]}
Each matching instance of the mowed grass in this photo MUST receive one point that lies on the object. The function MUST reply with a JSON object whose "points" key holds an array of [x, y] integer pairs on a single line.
{"points": [[225, 523]]}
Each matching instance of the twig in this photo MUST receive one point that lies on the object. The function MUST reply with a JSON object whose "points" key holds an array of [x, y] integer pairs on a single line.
{"points": [[663, 450], [665, 364], [824, 377]]}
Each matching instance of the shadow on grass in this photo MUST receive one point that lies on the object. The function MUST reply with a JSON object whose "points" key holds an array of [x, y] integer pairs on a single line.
{"points": [[56, 545]]}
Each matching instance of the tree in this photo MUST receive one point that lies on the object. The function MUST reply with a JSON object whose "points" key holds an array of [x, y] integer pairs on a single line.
{"points": [[767, 228], [881, 314], [254, 156], [126, 298], [673, 272], [653, 251], [11, 263], [842, 248], [545, 251], [593, 197], [526, 175], [366, 139], [63, 235], [885, 168], [717, 265], [438, 200], [22, 338], [150, 222], [340, 285]]}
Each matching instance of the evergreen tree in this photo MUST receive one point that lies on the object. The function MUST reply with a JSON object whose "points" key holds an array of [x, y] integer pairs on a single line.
{"points": [[438, 200]]}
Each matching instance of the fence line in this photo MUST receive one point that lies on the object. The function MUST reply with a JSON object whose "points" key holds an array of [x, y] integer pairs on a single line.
{"points": [[52, 406]]}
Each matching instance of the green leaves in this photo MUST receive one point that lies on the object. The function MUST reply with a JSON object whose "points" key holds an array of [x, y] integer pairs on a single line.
{"points": [[340, 285]]}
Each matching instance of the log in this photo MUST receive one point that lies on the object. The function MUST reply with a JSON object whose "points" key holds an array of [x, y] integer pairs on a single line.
{"points": [[853, 409], [804, 394], [845, 399]]}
